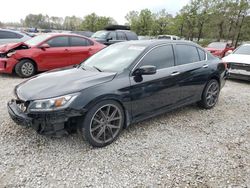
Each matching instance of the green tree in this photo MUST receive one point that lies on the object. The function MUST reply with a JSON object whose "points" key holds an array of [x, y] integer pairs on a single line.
{"points": [[142, 23], [162, 22], [72, 23], [93, 22]]}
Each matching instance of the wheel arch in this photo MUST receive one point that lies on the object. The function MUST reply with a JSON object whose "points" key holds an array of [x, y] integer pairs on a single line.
{"points": [[23, 58], [215, 77]]}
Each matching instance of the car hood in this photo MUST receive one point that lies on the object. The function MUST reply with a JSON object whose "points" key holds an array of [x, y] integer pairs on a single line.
{"points": [[237, 58], [213, 49], [61, 82], [6, 47]]}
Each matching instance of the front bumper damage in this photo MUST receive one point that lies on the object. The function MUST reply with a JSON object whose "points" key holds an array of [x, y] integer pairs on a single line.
{"points": [[55, 123], [7, 64]]}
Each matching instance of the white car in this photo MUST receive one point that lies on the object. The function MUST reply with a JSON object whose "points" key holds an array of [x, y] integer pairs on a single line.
{"points": [[10, 36], [239, 62], [168, 37]]}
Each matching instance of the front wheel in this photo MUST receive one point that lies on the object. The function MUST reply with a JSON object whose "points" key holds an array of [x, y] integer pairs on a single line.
{"points": [[25, 68], [103, 123], [210, 95]]}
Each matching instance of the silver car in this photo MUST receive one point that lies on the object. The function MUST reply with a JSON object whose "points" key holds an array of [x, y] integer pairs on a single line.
{"points": [[10, 36]]}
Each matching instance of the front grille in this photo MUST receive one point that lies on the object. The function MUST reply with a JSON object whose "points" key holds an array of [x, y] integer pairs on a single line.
{"points": [[3, 55], [240, 66]]}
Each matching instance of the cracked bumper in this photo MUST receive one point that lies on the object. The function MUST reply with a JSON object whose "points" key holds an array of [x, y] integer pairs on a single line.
{"points": [[47, 123]]}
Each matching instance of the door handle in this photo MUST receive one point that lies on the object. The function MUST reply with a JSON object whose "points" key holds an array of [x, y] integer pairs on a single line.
{"points": [[90, 49], [175, 73], [66, 50], [205, 66]]}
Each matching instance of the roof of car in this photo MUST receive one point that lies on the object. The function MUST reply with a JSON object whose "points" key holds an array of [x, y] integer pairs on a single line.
{"points": [[63, 34], [155, 42], [10, 30]]}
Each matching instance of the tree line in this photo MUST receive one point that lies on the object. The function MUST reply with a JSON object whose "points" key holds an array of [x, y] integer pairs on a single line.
{"points": [[199, 19], [91, 22]]}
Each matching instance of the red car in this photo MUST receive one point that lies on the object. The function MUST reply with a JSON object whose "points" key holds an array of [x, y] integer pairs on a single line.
{"points": [[46, 52], [219, 49]]}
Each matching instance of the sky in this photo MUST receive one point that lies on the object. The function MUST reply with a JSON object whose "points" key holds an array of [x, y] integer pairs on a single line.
{"points": [[18, 9]]}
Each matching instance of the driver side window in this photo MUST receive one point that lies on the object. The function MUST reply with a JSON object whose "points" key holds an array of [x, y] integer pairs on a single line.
{"points": [[161, 57]]}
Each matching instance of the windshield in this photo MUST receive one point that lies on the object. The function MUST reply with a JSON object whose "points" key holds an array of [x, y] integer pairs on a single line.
{"points": [[114, 58], [244, 50], [100, 35], [37, 40], [217, 45]]}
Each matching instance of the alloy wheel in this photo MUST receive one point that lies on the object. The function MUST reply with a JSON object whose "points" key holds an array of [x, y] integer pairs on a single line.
{"points": [[106, 123], [212, 94], [27, 69]]}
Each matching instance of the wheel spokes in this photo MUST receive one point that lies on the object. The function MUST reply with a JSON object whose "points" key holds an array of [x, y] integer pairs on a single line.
{"points": [[212, 94], [106, 123]]}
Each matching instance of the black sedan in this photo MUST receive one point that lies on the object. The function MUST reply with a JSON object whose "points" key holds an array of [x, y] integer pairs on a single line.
{"points": [[122, 84]]}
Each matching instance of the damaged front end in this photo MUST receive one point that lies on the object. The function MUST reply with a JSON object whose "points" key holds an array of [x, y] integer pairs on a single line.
{"points": [[7, 56], [47, 122], [8, 50]]}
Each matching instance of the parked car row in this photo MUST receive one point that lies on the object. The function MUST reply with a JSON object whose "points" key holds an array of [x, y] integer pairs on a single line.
{"points": [[26, 56]]}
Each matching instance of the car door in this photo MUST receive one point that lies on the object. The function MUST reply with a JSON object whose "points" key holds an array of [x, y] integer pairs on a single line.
{"points": [[150, 93], [80, 49], [193, 72], [57, 55], [111, 38]]}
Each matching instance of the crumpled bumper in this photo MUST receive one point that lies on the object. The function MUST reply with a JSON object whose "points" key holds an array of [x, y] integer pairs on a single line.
{"points": [[46, 123], [7, 65]]}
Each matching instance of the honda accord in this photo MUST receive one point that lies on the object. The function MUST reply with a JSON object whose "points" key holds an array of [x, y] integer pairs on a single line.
{"points": [[122, 84]]}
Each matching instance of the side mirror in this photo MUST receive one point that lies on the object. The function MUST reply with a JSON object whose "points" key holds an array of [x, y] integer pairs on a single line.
{"points": [[110, 38], [229, 52], [44, 46], [145, 70]]}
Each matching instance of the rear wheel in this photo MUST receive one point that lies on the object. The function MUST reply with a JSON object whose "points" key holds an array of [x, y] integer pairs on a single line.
{"points": [[210, 95], [25, 68], [103, 123]]}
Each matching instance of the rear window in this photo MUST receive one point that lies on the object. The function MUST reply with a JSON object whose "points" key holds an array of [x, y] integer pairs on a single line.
{"points": [[131, 35], [186, 54], [78, 41], [121, 36]]}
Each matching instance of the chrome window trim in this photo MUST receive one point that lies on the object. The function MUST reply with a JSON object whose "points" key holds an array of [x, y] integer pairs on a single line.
{"points": [[160, 45]]}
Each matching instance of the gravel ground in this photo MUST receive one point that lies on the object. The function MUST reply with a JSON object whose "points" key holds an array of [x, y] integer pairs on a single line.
{"points": [[188, 147]]}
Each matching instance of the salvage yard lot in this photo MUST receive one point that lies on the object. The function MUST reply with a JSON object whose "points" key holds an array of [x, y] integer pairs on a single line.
{"points": [[186, 147]]}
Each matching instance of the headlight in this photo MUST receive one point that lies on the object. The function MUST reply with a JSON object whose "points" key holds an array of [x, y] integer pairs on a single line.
{"points": [[52, 104], [10, 54]]}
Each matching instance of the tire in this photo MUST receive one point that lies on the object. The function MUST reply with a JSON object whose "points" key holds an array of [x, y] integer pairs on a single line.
{"points": [[210, 95], [103, 123], [25, 68]]}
